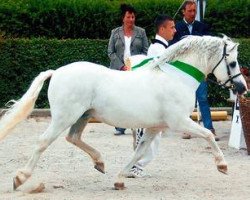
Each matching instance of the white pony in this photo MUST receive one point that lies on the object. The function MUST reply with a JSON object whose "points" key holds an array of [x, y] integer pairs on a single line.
{"points": [[148, 98]]}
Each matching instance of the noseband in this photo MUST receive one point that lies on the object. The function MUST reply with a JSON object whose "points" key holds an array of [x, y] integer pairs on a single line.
{"points": [[230, 77]]}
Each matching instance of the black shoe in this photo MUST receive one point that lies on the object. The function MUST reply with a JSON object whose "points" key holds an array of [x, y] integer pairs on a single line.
{"points": [[117, 133], [215, 136]]}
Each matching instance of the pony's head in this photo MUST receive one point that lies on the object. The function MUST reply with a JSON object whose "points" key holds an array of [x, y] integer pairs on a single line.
{"points": [[227, 70]]}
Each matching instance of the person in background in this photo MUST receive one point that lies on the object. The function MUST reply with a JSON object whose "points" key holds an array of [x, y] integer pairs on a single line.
{"points": [[125, 41], [189, 26], [165, 30]]}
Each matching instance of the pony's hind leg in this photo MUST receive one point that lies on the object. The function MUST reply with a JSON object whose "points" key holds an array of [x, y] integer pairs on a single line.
{"points": [[44, 141], [74, 137]]}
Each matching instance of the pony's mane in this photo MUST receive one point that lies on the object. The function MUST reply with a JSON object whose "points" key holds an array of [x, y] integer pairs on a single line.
{"points": [[207, 46], [196, 44]]}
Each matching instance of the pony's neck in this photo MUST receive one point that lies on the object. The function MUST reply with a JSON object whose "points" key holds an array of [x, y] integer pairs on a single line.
{"points": [[200, 52], [197, 61], [186, 77]]}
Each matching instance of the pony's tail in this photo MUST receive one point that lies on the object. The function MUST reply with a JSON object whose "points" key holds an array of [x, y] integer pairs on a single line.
{"points": [[22, 108]]}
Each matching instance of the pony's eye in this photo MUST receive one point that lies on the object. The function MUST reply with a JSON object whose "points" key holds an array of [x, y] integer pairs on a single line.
{"points": [[232, 64]]}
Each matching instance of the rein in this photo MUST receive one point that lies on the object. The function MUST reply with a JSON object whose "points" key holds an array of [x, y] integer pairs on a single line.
{"points": [[230, 79]]}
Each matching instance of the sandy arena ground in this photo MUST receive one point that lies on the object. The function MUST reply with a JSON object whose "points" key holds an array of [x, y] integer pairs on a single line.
{"points": [[183, 170]]}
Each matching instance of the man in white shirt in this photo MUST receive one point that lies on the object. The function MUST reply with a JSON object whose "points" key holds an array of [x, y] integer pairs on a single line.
{"points": [[165, 30]]}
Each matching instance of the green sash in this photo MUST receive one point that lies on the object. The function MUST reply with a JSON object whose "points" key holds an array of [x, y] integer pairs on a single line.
{"points": [[188, 69]]}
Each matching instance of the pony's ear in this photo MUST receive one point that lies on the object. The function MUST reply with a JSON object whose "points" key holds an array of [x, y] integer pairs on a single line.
{"points": [[224, 37], [231, 45], [227, 40], [234, 47]]}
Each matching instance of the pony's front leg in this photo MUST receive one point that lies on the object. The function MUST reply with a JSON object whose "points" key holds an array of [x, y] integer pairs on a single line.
{"points": [[189, 126], [44, 141], [142, 147]]}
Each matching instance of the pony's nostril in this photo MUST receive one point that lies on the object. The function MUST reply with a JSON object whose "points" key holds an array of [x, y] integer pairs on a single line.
{"points": [[240, 88]]}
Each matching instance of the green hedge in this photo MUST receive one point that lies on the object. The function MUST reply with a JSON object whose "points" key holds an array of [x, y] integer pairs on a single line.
{"points": [[22, 60], [96, 18], [229, 16]]}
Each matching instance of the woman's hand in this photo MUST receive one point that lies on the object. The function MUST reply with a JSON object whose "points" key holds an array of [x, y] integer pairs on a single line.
{"points": [[125, 68]]}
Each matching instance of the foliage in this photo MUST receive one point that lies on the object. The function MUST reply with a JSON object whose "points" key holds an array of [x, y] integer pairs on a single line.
{"points": [[229, 16], [22, 60], [244, 51], [247, 94], [96, 18], [217, 96]]}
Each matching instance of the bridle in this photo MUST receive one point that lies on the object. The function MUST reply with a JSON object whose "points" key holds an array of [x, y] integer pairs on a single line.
{"points": [[230, 79]]}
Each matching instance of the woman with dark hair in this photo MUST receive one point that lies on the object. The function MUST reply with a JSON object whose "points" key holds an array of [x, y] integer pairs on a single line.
{"points": [[125, 41]]}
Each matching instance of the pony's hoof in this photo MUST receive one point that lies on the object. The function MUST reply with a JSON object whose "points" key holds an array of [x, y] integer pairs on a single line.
{"points": [[38, 189], [119, 186], [222, 169], [16, 183], [100, 167]]}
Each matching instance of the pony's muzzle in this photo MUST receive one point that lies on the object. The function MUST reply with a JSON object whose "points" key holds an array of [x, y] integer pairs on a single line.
{"points": [[239, 88]]}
